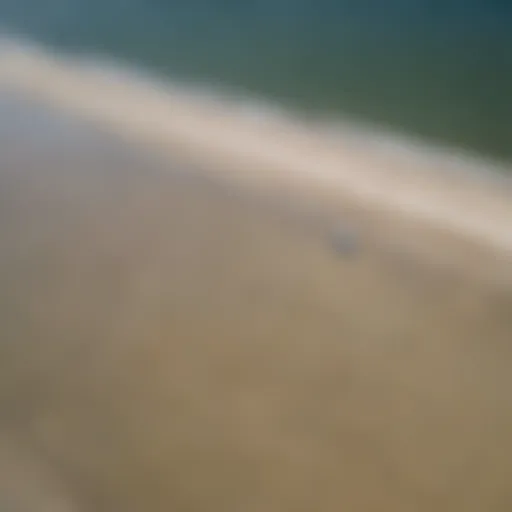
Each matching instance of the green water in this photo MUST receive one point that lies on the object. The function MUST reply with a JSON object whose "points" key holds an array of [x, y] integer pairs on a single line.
{"points": [[441, 70]]}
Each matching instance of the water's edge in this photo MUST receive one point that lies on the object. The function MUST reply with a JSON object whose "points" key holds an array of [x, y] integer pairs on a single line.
{"points": [[269, 147]]}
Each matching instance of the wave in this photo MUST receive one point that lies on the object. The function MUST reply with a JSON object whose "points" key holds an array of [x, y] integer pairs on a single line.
{"points": [[263, 145]]}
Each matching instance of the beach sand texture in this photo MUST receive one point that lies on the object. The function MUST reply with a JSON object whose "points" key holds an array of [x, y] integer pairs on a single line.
{"points": [[173, 340]]}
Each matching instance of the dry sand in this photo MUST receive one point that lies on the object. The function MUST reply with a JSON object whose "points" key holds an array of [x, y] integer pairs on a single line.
{"points": [[173, 342]]}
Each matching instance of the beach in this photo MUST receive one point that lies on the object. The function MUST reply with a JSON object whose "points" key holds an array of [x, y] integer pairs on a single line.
{"points": [[198, 315]]}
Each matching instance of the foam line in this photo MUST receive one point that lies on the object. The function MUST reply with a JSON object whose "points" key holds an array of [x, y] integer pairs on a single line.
{"points": [[262, 145]]}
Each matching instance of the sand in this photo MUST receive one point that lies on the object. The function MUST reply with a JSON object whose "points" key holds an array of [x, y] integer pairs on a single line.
{"points": [[175, 340]]}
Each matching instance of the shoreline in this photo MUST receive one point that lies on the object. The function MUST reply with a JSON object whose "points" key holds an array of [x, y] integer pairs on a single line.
{"points": [[270, 152]]}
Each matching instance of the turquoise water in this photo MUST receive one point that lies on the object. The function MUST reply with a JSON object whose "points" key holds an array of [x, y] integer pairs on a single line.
{"points": [[438, 69]]}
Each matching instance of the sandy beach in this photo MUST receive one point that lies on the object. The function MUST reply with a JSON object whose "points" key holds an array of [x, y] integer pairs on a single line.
{"points": [[180, 336]]}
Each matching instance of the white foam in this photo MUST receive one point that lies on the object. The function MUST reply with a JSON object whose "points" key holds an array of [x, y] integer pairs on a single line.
{"points": [[251, 141]]}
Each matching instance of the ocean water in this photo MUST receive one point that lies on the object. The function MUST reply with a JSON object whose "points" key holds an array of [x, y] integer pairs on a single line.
{"points": [[437, 70]]}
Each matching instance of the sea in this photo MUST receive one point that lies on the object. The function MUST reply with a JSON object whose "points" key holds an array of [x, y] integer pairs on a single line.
{"points": [[437, 71]]}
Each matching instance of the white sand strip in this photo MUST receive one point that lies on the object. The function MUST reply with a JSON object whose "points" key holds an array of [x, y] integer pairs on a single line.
{"points": [[266, 150]]}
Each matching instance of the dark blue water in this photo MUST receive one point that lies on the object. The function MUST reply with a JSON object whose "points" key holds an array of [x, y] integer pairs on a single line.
{"points": [[438, 69]]}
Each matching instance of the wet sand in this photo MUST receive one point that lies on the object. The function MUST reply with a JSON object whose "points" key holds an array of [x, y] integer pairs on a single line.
{"points": [[174, 342]]}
